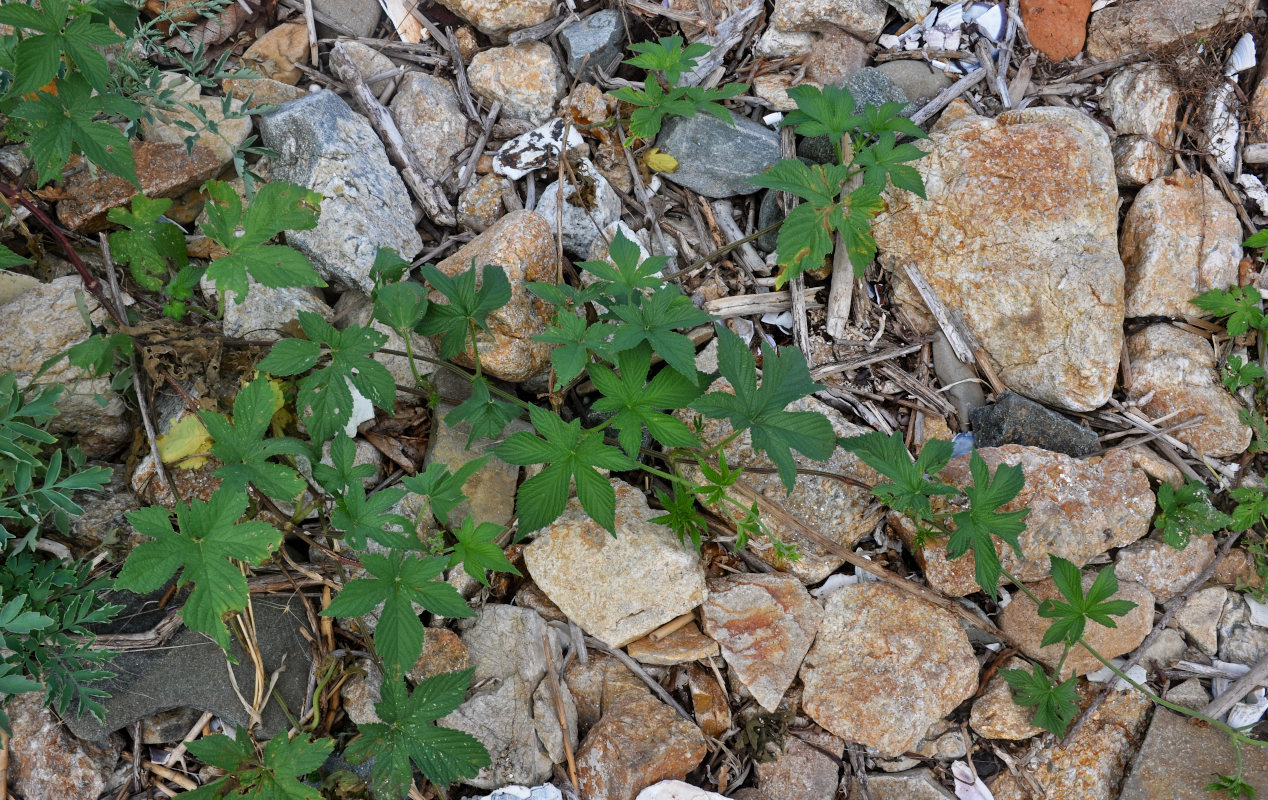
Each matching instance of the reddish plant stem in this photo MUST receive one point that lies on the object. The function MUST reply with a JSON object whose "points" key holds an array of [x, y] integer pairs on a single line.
{"points": [[90, 283]]}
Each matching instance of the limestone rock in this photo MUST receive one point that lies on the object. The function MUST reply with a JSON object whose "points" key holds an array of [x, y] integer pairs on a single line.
{"points": [[1135, 25], [264, 311], [716, 159], [525, 79], [1020, 619], [638, 742], [683, 646], [834, 57], [1180, 238], [1168, 648], [996, 715], [839, 511], [801, 772], [862, 18], [46, 762], [362, 692], [489, 494], [480, 205], [764, 624], [1092, 765], [324, 145], [357, 18], [617, 588], [1018, 234], [885, 666], [513, 714], [709, 701], [589, 206], [256, 92], [164, 170], [520, 243], [918, 81], [1056, 28], [499, 17], [1141, 102], [1242, 640], [368, 61], [1200, 617], [230, 133], [598, 685], [426, 110], [46, 322], [916, 784], [1161, 568], [1177, 367], [1190, 694], [1179, 758], [1078, 510]]}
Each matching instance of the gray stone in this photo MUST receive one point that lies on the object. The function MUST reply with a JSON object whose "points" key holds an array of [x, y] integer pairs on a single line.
{"points": [[264, 310], [326, 146], [190, 670], [716, 159], [802, 770], [1190, 694], [1241, 640], [1200, 618], [593, 43], [768, 213], [513, 712], [1013, 419], [427, 112], [918, 81], [168, 726], [356, 18], [1168, 648], [916, 784], [580, 225], [1178, 759]]}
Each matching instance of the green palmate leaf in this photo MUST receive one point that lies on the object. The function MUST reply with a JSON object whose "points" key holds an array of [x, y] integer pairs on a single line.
{"points": [[398, 582], [1071, 616], [1257, 239], [911, 485], [1238, 372], [408, 733], [682, 517], [655, 320], [486, 416], [149, 247], [1187, 512], [325, 392], [400, 306], [774, 431], [65, 124], [242, 446], [974, 528], [885, 161], [442, 488], [638, 403], [564, 296], [1233, 787], [668, 56], [571, 454], [343, 470], [467, 305], [276, 207], [820, 185], [823, 112], [888, 117], [1239, 303], [477, 551], [626, 275], [575, 341], [56, 31], [1252, 507], [852, 218], [1056, 705], [804, 241], [274, 775], [388, 268], [363, 518], [202, 546]]}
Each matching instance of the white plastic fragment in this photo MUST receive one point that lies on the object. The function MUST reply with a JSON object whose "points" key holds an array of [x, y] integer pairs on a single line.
{"points": [[1243, 56], [773, 119], [546, 791], [534, 149], [677, 790], [967, 785], [362, 411]]}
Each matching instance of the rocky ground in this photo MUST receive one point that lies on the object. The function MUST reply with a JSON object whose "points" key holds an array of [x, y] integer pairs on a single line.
{"points": [[1086, 177]]}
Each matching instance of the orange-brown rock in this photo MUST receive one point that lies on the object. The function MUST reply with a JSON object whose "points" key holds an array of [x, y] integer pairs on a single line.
{"points": [[764, 624], [275, 54], [45, 761], [638, 742], [598, 685], [164, 170], [1078, 510], [521, 244], [708, 700], [526, 79], [1176, 369], [443, 651], [1018, 233], [1056, 28], [680, 647], [1020, 620]]}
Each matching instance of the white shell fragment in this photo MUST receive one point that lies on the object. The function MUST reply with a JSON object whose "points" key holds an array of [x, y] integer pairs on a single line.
{"points": [[1258, 194], [546, 791], [967, 785], [534, 150], [989, 18], [1244, 714], [1222, 127], [1243, 56], [945, 33], [362, 411]]}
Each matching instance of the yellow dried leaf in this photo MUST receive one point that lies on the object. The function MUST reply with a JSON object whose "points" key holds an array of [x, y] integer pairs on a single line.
{"points": [[660, 162], [282, 416], [186, 444]]}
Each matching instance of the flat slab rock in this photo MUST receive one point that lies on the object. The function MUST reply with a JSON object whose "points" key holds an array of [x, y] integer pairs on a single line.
{"points": [[617, 588], [1134, 25], [885, 666], [639, 741], [764, 624], [190, 672], [44, 762], [1180, 757], [1019, 234], [1078, 510]]}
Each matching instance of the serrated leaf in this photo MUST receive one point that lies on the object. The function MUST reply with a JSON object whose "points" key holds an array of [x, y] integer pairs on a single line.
{"points": [[65, 124], [469, 303], [1239, 303], [486, 416], [1187, 512], [1055, 705], [442, 488], [477, 552], [1071, 616], [242, 446], [272, 776], [202, 546], [911, 484], [974, 528], [637, 403], [656, 320]]}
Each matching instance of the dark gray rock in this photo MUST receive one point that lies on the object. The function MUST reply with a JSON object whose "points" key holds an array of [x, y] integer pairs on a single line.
{"points": [[1014, 419], [918, 81], [768, 213], [356, 18], [598, 36], [326, 146], [189, 670], [716, 159], [868, 86]]}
